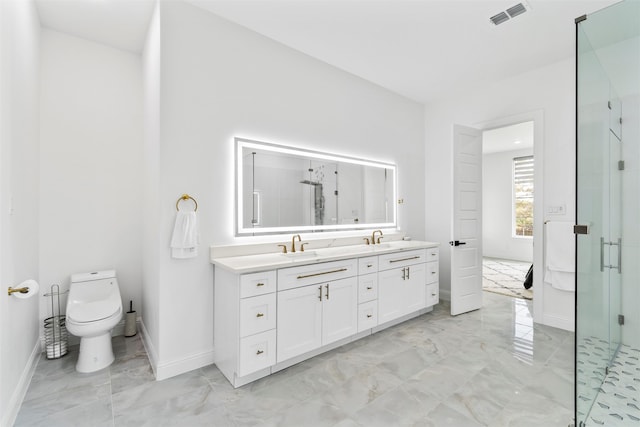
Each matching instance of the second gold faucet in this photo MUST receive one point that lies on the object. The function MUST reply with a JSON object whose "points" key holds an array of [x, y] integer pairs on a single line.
{"points": [[373, 237], [293, 243]]}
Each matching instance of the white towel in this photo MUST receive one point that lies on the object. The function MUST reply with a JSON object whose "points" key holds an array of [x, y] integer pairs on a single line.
{"points": [[184, 241], [560, 255]]}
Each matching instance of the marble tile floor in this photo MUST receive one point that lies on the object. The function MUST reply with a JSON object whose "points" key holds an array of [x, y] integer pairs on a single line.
{"points": [[505, 277], [617, 398], [491, 367]]}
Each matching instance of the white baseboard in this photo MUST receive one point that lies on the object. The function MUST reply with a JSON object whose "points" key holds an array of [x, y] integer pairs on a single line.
{"points": [[164, 370], [172, 368], [559, 322], [149, 348], [19, 393]]}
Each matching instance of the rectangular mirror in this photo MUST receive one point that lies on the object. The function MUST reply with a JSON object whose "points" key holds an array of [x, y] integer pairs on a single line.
{"points": [[285, 189]]}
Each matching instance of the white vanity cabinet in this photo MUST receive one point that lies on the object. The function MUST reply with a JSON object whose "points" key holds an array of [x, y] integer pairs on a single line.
{"points": [[401, 284], [292, 309], [244, 322], [313, 312], [433, 276]]}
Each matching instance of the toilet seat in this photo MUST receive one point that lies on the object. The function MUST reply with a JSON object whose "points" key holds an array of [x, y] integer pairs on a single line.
{"points": [[91, 312], [94, 300]]}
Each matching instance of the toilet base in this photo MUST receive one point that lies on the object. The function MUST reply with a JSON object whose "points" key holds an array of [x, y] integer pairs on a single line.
{"points": [[95, 353]]}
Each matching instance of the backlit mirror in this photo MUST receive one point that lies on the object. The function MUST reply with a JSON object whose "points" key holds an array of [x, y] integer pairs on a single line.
{"points": [[283, 189]]}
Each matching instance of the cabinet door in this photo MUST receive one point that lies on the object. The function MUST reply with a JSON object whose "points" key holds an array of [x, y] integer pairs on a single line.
{"points": [[339, 310], [299, 321], [391, 294], [415, 287]]}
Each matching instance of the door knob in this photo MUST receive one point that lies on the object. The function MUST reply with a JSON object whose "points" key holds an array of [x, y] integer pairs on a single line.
{"points": [[457, 243]]}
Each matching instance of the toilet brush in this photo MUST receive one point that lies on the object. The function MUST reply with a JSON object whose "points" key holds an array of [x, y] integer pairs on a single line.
{"points": [[130, 322]]}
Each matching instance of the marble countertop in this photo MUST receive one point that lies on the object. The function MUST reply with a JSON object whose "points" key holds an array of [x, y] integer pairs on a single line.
{"points": [[270, 261]]}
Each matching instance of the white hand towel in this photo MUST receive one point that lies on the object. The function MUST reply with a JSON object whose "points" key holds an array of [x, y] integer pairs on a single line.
{"points": [[560, 255], [184, 241]]}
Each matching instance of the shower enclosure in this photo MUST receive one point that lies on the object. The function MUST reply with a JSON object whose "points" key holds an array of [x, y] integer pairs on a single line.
{"points": [[607, 385]]}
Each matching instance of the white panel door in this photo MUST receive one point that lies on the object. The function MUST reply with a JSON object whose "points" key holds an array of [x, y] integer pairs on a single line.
{"points": [[339, 310], [466, 233], [392, 302], [299, 321]]}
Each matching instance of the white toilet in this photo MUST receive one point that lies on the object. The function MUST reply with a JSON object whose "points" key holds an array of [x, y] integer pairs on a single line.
{"points": [[94, 308]]}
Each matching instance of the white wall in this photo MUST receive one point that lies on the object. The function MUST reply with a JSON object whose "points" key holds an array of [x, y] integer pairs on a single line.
{"points": [[19, 91], [497, 208], [151, 240], [219, 80], [91, 204], [548, 90]]}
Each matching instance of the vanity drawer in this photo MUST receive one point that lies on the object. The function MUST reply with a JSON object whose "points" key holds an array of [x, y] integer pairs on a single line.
{"points": [[257, 352], [401, 259], [368, 265], [367, 315], [433, 254], [295, 277], [432, 272], [257, 314], [433, 294], [367, 287], [257, 283]]}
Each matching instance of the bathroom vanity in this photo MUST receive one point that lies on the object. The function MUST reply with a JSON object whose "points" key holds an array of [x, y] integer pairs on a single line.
{"points": [[274, 310]]}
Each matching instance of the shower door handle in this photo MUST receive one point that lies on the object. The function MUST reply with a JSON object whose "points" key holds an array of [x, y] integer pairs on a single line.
{"points": [[619, 245]]}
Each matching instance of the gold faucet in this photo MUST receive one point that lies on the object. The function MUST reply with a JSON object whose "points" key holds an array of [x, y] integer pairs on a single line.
{"points": [[373, 237], [293, 242]]}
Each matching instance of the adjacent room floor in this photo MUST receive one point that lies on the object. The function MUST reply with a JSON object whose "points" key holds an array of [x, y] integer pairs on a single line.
{"points": [[490, 367], [505, 277]]}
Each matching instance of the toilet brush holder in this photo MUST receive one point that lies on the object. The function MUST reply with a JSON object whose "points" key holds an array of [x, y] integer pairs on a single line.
{"points": [[130, 328]]}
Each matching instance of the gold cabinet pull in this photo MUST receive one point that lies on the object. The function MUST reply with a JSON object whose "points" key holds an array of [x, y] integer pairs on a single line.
{"points": [[369, 288], [369, 265], [404, 274], [320, 295], [369, 315], [404, 259], [327, 286], [259, 315], [260, 284], [408, 272], [259, 352], [320, 274]]}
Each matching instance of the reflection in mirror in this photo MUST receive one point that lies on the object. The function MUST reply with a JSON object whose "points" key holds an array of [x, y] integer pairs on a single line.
{"points": [[282, 189]]}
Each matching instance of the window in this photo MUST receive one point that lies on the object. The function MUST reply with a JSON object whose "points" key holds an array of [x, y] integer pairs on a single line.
{"points": [[523, 196]]}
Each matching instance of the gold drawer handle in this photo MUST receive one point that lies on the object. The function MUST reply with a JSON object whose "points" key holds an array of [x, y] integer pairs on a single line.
{"points": [[433, 272], [259, 284], [259, 352], [259, 315], [369, 315], [369, 288], [404, 259], [320, 274], [369, 265], [433, 295]]}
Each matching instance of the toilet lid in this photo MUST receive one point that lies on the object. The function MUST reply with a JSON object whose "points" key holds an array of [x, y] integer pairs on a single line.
{"points": [[91, 312]]}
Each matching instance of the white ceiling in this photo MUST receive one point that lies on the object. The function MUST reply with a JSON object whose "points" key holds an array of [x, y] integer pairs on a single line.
{"points": [[508, 138], [422, 49]]}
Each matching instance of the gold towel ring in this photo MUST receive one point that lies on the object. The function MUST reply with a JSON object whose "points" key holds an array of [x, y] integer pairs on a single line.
{"points": [[186, 197]]}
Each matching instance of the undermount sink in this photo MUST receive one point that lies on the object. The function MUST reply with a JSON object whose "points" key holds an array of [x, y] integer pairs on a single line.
{"points": [[299, 254]]}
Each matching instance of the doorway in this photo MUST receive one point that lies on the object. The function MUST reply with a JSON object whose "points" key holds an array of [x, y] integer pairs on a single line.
{"points": [[508, 185]]}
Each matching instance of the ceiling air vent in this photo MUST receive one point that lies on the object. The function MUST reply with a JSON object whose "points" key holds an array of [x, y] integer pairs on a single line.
{"points": [[512, 12], [499, 18], [516, 10]]}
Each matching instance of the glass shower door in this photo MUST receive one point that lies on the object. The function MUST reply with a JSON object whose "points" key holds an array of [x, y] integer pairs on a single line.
{"points": [[598, 206]]}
